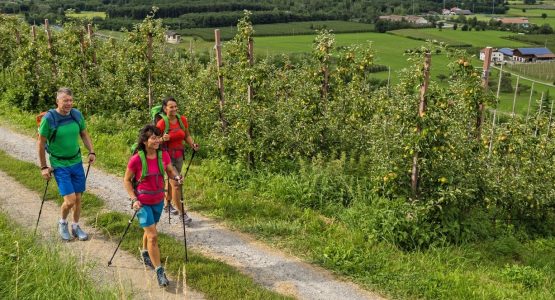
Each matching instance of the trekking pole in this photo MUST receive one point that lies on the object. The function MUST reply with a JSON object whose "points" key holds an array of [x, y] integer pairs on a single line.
{"points": [[121, 240], [183, 207], [88, 168], [41, 204], [183, 221], [191, 160]]}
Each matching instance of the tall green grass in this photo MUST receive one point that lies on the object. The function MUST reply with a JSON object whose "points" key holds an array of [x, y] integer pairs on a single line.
{"points": [[35, 270]]}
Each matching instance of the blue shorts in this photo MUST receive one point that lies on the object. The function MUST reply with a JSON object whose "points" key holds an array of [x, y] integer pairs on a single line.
{"points": [[150, 214], [70, 179]]}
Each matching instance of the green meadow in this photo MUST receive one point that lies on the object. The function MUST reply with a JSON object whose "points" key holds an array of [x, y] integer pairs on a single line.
{"points": [[292, 28], [87, 15], [457, 37]]}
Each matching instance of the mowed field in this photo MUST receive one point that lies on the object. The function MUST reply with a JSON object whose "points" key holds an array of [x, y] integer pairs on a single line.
{"points": [[457, 37], [87, 15], [293, 28]]}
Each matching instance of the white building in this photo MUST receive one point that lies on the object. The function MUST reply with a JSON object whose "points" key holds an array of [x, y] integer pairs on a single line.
{"points": [[172, 37]]}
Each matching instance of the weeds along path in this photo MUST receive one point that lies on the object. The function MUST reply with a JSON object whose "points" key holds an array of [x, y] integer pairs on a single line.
{"points": [[273, 269], [128, 276]]}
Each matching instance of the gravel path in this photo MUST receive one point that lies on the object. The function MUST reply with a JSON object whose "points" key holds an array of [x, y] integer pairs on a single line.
{"points": [[273, 269]]}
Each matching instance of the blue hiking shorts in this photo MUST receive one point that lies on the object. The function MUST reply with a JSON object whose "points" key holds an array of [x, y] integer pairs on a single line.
{"points": [[70, 179], [150, 214]]}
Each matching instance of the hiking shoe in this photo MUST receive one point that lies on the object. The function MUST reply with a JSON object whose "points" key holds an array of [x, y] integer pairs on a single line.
{"points": [[146, 259], [64, 232], [170, 209], [77, 232], [161, 276], [188, 219]]}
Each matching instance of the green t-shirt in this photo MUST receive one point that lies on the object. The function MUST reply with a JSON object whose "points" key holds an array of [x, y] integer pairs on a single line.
{"points": [[65, 144]]}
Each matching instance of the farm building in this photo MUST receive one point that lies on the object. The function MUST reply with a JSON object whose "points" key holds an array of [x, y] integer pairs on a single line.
{"points": [[172, 37], [411, 19], [517, 21], [532, 54], [523, 55], [456, 11], [496, 55]]}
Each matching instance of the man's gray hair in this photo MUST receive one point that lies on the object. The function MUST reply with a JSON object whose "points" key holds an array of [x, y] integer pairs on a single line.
{"points": [[63, 90]]}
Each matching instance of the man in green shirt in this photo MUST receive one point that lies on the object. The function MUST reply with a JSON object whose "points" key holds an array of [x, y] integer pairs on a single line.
{"points": [[59, 133]]}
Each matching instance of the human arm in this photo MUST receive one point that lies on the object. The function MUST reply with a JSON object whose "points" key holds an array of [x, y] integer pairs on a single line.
{"points": [[41, 148], [128, 185], [190, 141], [88, 144], [173, 174]]}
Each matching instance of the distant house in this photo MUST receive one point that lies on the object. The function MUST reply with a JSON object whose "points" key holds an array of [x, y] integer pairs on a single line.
{"points": [[455, 11], [496, 55], [172, 37], [517, 21], [507, 53], [532, 54], [458, 11], [411, 19]]}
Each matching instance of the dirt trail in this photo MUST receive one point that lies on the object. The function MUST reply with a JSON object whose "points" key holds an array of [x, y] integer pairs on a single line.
{"points": [[271, 268], [126, 274]]}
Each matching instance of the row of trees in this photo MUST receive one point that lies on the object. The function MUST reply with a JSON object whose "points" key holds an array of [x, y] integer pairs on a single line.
{"points": [[419, 141], [214, 13]]}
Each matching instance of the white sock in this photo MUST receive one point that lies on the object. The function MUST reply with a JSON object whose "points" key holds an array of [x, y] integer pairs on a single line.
{"points": [[74, 225], [63, 221]]}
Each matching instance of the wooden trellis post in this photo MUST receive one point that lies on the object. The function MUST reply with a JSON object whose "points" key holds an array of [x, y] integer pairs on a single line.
{"points": [[49, 40], [250, 93], [539, 114], [149, 60], [17, 38], [421, 112], [218, 47], [480, 105], [90, 35], [514, 97], [34, 33], [495, 111]]}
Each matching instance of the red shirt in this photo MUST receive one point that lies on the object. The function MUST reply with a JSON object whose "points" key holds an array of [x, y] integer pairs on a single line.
{"points": [[149, 183], [177, 136]]}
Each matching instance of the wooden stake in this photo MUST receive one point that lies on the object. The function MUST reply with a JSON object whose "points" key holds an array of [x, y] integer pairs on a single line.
{"points": [[480, 105], [421, 112], [495, 112], [529, 102], [149, 60], [90, 35], [34, 33], [218, 47], [539, 115], [49, 39], [17, 38], [514, 98], [250, 55]]}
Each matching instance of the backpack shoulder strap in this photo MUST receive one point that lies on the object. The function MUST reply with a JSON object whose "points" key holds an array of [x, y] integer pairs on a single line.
{"points": [[181, 123], [166, 123], [144, 165], [160, 162], [77, 116]]}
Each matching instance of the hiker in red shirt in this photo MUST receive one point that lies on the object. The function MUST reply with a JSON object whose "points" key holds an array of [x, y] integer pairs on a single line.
{"points": [[177, 133], [144, 183]]}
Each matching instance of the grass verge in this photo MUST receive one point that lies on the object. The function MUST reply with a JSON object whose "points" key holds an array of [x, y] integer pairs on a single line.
{"points": [[33, 270]]}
